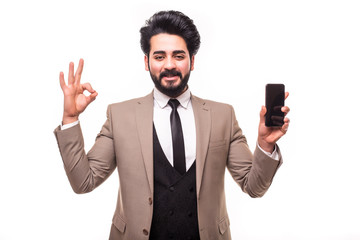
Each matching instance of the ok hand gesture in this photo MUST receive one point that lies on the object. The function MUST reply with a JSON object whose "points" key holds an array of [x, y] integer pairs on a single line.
{"points": [[75, 101]]}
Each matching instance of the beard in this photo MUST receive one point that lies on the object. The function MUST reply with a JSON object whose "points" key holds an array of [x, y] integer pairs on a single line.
{"points": [[171, 90]]}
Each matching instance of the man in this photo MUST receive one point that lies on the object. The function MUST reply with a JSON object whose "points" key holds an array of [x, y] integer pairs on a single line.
{"points": [[170, 154]]}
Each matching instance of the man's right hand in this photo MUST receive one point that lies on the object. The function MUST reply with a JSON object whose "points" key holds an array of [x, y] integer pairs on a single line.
{"points": [[75, 101]]}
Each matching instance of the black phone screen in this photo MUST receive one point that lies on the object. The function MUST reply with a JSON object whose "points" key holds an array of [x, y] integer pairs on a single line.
{"points": [[274, 100]]}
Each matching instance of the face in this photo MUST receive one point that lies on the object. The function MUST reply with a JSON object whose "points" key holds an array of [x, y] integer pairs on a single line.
{"points": [[169, 63]]}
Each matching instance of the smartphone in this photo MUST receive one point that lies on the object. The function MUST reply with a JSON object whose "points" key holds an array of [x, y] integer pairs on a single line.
{"points": [[274, 101]]}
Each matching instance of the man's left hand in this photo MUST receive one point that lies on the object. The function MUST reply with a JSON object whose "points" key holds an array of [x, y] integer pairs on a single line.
{"points": [[268, 136]]}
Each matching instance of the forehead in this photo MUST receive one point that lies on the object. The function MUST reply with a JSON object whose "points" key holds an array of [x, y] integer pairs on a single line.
{"points": [[167, 43]]}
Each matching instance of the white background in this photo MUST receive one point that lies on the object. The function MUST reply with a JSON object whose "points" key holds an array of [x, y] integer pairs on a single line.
{"points": [[311, 46]]}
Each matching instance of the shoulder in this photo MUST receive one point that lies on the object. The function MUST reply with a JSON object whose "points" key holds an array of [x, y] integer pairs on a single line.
{"points": [[212, 105], [130, 104]]}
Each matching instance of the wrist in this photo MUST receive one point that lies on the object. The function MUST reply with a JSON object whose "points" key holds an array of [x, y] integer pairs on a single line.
{"points": [[68, 120], [268, 147]]}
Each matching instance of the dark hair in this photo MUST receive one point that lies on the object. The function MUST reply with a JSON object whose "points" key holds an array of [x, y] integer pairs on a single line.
{"points": [[171, 22]]}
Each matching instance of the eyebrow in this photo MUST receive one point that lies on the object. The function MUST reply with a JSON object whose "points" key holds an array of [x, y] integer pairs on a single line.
{"points": [[174, 52], [178, 51]]}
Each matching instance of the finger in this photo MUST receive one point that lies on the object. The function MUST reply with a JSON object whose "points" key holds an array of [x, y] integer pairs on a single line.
{"points": [[277, 121], [71, 73], [285, 109], [62, 80], [91, 97], [286, 95], [87, 87], [79, 71], [262, 114], [285, 127], [277, 108]]}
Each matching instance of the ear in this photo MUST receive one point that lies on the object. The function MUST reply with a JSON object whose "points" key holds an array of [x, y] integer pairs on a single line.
{"points": [[146, 60], [192, 62]]}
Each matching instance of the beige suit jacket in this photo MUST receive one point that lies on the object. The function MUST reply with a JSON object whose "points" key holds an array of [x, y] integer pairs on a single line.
{"points": [[126, 143]]}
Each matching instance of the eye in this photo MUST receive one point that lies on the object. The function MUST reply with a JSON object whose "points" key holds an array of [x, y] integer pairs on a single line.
{"points": [[158, 57], [179, 57]]}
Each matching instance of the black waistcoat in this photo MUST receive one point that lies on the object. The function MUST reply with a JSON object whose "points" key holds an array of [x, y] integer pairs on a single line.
{"points": [[175, 205]]}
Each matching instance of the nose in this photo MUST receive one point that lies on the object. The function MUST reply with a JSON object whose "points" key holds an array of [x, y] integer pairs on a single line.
{"points": [[170, 63]]}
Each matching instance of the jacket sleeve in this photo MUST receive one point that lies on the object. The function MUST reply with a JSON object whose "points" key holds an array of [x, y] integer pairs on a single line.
{"points": [[87, 171], [253, 172]]}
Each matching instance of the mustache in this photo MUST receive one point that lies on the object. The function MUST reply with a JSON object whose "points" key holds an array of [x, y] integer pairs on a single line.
{"points": [[171, 72]]}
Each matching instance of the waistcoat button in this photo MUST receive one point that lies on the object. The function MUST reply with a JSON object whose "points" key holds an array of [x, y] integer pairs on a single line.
{"points": [[145, 232]]}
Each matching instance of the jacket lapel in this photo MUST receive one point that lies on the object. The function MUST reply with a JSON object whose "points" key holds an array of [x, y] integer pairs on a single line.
{"points": [[203, 126], [144, 121]]}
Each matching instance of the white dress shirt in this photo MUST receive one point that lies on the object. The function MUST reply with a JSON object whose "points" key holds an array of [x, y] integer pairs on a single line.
{"points": [[162, 124]]}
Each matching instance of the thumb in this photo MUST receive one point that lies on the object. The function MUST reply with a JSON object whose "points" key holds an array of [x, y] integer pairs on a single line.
{"points": [[262, 114]]}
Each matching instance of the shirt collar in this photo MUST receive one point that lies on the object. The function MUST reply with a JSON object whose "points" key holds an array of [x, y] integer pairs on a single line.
{"points": [[162, 99]]}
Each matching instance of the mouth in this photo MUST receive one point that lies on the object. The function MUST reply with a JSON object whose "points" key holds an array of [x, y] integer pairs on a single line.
{"points": [[171, 75]]}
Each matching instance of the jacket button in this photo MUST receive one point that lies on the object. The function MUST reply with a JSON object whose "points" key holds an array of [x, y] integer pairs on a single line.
{"points": [[189, 214], [145, 232], [150, 201], [171, 189], [171, 212], [191, 189]]}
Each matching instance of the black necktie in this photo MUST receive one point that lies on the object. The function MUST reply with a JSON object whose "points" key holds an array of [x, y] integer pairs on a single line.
{"points": [[177, 138]]}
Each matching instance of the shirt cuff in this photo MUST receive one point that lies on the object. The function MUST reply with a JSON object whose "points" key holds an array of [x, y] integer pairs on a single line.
{"points": [[274, 155], [69, 125]]}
